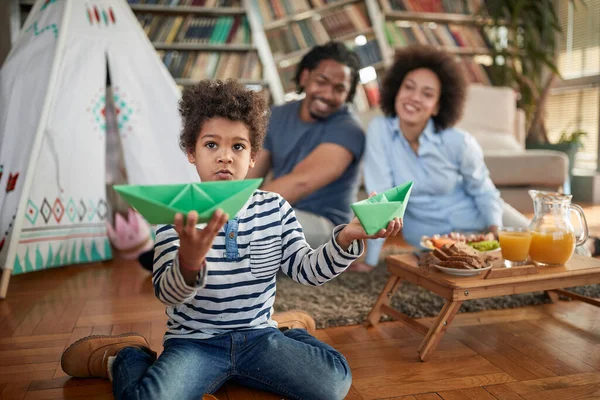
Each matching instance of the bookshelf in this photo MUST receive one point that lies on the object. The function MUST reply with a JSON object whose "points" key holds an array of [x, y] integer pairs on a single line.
{"points": [[458, 27], [206, 39], [292, 28], [200, 39]]}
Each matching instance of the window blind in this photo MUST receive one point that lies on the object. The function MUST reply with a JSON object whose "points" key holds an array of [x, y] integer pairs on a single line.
{"points": [[579, 51], [578, 57], [576, 110]]}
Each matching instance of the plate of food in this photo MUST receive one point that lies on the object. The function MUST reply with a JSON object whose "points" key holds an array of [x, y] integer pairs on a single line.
{"points": [[457, 259], [482, 242], [462, 272]]}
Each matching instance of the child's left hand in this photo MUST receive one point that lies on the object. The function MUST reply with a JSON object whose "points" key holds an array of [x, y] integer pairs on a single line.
{"points": [[355, 231]]}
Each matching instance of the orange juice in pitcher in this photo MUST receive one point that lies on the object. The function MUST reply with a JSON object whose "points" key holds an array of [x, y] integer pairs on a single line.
{"points": [[553, 238], [554, 247]]}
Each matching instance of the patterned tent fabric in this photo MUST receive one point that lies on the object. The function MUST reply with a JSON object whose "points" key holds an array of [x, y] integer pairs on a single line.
{"points": [[53, 122]]}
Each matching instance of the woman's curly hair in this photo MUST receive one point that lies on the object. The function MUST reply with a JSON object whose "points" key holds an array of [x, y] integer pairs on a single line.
{"points": [[227, 99], [441, 63]]}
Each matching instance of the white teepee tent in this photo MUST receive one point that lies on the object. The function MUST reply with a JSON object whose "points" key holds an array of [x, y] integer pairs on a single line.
{"points": [[52, 130]]}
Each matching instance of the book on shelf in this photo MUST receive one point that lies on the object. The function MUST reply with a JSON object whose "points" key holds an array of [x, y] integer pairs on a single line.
{"points": [[189, 3], [449, 36], [368, 53], [195, 29], [469, 7], [407, 24], [334, 24], [195, 46], [474, 72], [276, 10], [192, 65], [272, 10]]}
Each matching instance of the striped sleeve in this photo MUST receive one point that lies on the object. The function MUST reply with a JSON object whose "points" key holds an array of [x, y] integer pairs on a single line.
{"points": [[312, 266], [169, 284]]}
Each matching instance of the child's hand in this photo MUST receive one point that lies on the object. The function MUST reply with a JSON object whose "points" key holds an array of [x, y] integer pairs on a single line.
{"points": [[195, 243], [355, 231]]}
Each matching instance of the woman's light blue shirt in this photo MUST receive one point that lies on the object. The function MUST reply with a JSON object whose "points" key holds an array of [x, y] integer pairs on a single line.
{"points": [[452, 189]]}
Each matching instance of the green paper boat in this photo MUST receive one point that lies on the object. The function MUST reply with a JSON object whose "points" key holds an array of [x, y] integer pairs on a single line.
{"points": [[375, 213], [159, 203]]}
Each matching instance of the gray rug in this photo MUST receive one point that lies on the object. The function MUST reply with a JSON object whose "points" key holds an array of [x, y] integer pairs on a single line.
{"points": [[347, 299]]}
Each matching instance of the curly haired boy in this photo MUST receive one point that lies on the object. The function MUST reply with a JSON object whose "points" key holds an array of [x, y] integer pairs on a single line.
{"points": [[219, 282]]}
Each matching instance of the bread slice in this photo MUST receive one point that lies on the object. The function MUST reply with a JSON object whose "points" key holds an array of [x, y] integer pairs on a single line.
{"points": [[472, 261], [455, 264], [465, 248], [428, 259], [441, 254]]}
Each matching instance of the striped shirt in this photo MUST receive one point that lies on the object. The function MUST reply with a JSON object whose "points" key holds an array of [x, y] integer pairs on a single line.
{"points": [[236, 290]]}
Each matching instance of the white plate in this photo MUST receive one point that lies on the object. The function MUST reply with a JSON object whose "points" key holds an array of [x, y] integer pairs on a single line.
{"points": [[491, 252], [422, 244], [462, 272]]}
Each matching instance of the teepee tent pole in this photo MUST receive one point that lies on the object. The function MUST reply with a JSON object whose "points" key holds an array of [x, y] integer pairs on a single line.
{"points": [[35, 151], [4, 282]]}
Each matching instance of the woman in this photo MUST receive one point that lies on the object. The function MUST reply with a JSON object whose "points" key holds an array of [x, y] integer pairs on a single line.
{"points": [[422, 98]]}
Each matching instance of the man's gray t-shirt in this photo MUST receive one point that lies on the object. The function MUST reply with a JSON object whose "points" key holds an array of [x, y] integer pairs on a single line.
{"points": [[290, 140]]}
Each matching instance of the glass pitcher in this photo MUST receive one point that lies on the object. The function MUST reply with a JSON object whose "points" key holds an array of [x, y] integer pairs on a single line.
{"points": [[553, 237]]}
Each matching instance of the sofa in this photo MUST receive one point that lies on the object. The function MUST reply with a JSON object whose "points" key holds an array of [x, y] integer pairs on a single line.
{"points": [[492, 117]]}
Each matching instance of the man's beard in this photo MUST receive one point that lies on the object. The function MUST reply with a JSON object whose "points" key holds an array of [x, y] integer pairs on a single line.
{"points": [[317, 117], [320, 117]]}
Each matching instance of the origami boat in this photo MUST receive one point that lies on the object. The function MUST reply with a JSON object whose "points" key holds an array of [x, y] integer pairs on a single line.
{"points": [[159, 203], [376, 212]]}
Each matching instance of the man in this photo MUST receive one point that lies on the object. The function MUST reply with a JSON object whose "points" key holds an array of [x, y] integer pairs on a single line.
{"points": [[314, 146]]}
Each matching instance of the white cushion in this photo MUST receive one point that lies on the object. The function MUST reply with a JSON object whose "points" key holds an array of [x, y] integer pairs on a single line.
{"points": [[489, 109], [497, 141], [546, 168]]}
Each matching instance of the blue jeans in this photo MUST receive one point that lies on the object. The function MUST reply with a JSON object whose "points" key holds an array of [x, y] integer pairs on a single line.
{"points": [[293, 364]]}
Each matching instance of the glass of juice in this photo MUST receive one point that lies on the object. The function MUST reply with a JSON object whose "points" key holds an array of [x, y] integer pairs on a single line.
{"points": [[514, 244]]}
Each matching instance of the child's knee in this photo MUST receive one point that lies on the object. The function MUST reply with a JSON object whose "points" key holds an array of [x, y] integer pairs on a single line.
{"points": [[336, 384], [341, 386]]}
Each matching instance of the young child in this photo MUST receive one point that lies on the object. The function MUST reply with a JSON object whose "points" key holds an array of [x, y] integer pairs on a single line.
{"points": [[219, 282]]}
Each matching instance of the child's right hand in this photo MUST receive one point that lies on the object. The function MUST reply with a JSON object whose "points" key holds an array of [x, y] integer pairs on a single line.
{"points": [[195, 243]]}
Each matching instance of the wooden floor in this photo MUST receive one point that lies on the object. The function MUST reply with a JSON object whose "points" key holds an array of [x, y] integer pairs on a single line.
{"points": [[545, 352]]}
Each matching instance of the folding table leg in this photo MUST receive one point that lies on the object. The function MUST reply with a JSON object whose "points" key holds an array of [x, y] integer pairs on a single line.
{"points": [[384, 298], [552, 295], [438, 329]]}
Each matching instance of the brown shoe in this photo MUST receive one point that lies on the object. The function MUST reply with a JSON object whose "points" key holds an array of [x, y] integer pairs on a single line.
{"points": [[294, 319], [209, 397], [88, 357]]}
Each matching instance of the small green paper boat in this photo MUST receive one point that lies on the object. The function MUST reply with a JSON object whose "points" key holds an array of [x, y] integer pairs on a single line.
{"points": [[375, 213], [159, 203]]}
